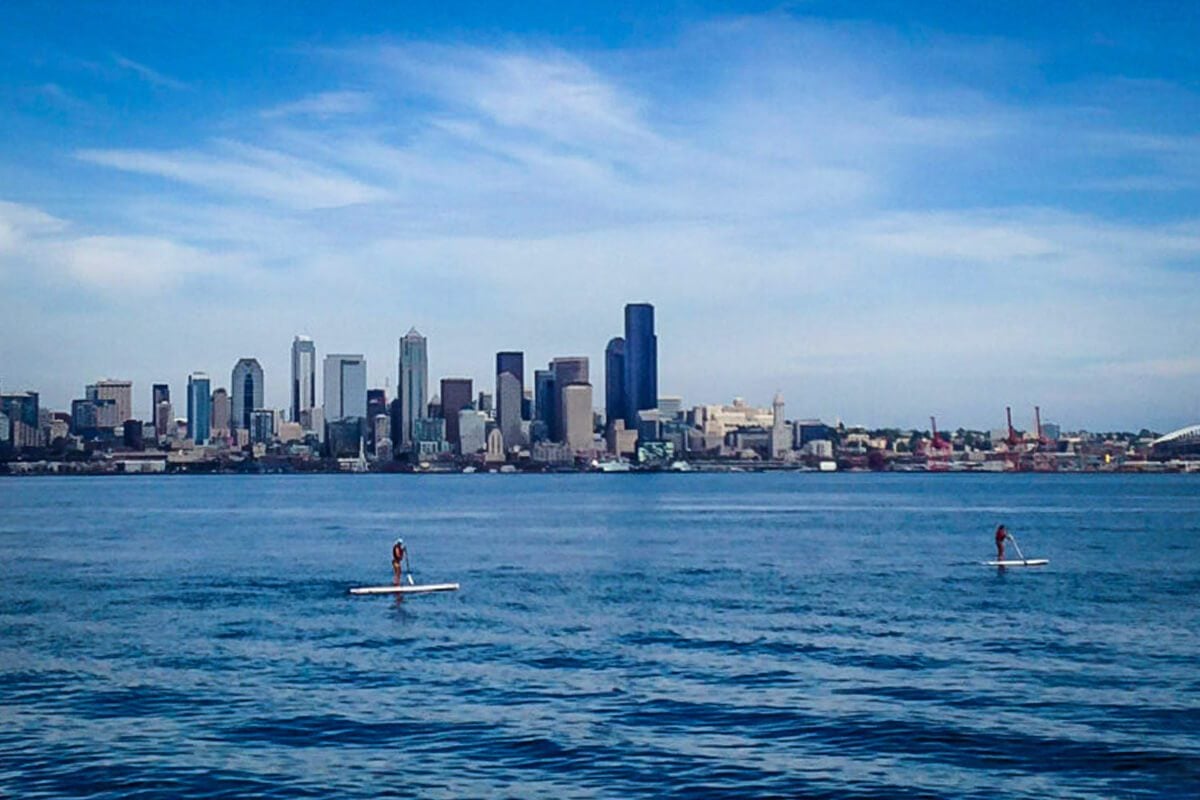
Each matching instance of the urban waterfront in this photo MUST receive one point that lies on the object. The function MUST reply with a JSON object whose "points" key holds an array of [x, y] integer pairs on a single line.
{"points": [[697, 635]]}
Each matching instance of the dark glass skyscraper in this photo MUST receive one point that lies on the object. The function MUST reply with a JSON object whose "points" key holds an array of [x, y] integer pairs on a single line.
{"points": [[544, 399], [456, 395], [614, 381], [641, 361]]}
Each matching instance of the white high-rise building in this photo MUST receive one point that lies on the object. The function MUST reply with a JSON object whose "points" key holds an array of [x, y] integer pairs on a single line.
{"points": [[345, 387], [304, 381], [781, 434], [577, 416]]}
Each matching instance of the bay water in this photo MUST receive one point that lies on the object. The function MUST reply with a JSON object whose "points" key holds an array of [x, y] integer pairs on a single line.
{"points": [[692, 635]]}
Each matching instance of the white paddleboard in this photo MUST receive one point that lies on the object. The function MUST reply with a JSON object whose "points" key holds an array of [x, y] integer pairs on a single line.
{"points": [[418, 589], [1028, 562]]}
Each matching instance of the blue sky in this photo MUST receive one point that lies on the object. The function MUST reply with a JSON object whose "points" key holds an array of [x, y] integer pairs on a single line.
{"points": [[903, 210]]}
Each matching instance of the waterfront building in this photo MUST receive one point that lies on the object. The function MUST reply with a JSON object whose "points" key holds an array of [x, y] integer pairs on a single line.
{"points": [[131, 434], [472, 431], [222, 414], [614, 381], [381, 431], [120, 392], [649, 426], [262, 426], [495, 447], [510, 394], [621, 442], [544, 407], [641, 361], [5, 428], [343, 437], [199, 408], [246, 389], [567, 370], [577, 417], [345, 384], [456, 396], [304, 380], [412, 385], [288, 432]]}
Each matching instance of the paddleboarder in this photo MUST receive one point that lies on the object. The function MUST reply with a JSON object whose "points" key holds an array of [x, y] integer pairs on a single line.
{"points": [[398, 554], [1001, 536]]}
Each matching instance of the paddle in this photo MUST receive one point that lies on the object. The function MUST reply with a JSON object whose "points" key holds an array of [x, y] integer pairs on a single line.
{"points": [[408, 565], [1018, 547]]}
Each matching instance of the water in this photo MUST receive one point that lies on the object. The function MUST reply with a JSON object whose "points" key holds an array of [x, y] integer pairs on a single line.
{"points": [[616, 636]]}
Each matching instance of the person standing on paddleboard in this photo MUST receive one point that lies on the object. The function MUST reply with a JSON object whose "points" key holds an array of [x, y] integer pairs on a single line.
{"points": [[1001, 535], [398, 554]]}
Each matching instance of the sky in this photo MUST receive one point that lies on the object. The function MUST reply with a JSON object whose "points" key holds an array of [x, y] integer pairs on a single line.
{"points": [[886, 211]]}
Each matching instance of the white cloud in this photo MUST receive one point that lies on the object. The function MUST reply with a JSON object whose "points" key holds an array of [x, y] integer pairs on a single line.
{"points": [[322, 105], [147, 74], [240, 169]]}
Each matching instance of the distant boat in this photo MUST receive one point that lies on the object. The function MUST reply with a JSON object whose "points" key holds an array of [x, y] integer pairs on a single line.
{"points": [[614, 465], [681, 466]]}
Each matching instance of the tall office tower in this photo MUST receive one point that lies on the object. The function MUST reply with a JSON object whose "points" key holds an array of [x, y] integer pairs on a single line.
{"points": [[262, 426], [159, 393], [222, 416], [199, 404], [510, 392], [164, 419], [567, 370], [456, 395], [614, 381], [641, 361], [577, 416], [485, 403], [304, 380], [412, 385], [246, 389], [120, 392], [543, 401], [345, 387], [781, 435]]}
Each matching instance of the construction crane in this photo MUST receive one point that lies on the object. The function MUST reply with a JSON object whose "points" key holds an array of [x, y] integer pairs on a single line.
{"points": [[1012, 440], [1037, 420]]}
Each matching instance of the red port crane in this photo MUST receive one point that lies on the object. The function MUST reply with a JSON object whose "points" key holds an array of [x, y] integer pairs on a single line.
{"points": [[1013, 441]]}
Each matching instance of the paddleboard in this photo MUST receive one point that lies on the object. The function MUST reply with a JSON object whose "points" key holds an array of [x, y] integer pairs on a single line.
{"points": [[1028, 562], [418, 589]]}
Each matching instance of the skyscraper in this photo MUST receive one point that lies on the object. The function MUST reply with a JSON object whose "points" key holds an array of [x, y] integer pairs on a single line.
{"points": [[567, 370], [377, 407], [577, 416], [456, 395], [641, 361], [304, 380], [614, 381], [412, 385], [160, 393], [221, 414], [199, 402], [543, 402], [510, 392], [246, 392], [345, 387]]}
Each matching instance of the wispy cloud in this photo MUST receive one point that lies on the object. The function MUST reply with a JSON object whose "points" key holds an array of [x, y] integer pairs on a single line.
{"points": [[149, 75], [322, 105], [243, 170]]}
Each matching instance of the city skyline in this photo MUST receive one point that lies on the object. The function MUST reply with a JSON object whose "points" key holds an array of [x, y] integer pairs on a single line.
{"points": [[884, 215]]}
